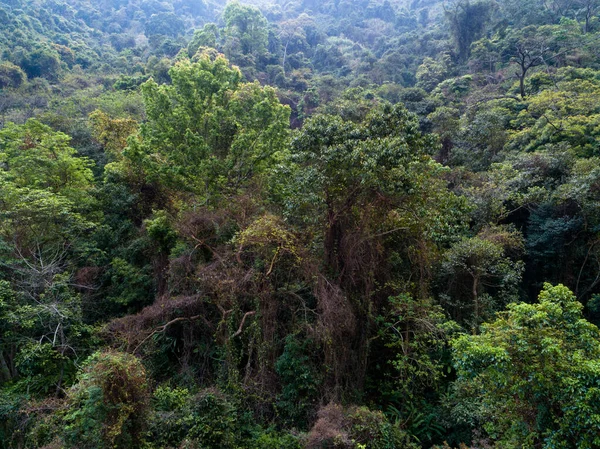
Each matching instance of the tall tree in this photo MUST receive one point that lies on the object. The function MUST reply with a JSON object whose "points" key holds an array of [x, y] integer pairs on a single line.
{"points": [[45, 212], [208, 132], [467, 23], [364, 191], [245, 30]]}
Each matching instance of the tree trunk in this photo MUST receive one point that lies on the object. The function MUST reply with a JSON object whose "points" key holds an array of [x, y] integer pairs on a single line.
{"points": [[588, 15], [444, 154], [476, 310], [161, 267], [5, 374], [332, 240], [522, 83], [285, 56]]}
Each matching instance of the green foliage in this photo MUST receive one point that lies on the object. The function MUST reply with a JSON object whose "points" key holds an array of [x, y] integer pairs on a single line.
{"points": [[207, 420], [337, 157], [534, 371], [467, 22], [416, 333], [300, 381], [421, 421], [443, 162], [275, 440], [10, 407], [484, 135], [431, 72], [568, 115], [212, 421], [11, 75], [43, 333], [43, 61], [245, 30], [208, 133], [206, 37], [160, 231], [167, 399], [112, 133], [41, 159], [166, 23], [356, 428], [372, 430], [131, 283], [479, 268], [44, 200], [109, 404]]}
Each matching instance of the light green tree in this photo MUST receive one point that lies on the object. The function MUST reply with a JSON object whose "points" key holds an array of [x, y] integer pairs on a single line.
{"points": [[45, 212], [208, 133]]}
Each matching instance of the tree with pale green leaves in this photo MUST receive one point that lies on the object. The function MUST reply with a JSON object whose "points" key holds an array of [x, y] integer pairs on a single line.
{"points": [[208, 133], [46, 212], [45, 191]]}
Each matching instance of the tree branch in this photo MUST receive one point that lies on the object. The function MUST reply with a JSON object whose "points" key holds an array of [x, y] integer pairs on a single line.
{"points": [[241, 328]]}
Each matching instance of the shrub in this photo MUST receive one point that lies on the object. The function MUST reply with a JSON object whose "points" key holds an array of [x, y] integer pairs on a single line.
{"points": [[274, 440], [213, 421], [535, 372], [207, 420], [356, 428], [11, 75], [109, 404], [300, 382]]}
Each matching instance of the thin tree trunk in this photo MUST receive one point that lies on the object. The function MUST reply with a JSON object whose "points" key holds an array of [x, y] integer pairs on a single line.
{"points": [[5, 374], [522, 83], [477, 312], [285, 56]]}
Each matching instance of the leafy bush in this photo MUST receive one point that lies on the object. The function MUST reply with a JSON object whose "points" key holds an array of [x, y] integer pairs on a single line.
{"points": [[206, 420], [167, 399], [274, 440], [535, 372], [11, 75], [10, 409], [300, 382], [356, 428], [109, 404]]}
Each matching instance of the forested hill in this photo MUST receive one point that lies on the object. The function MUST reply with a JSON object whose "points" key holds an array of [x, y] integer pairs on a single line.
{"points": [[299, 224]]}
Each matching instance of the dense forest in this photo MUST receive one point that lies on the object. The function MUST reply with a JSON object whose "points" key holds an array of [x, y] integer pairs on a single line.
{"points": [[300, 224]]}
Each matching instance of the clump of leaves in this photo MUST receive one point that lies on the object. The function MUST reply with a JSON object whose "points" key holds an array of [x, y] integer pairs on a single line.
{"points": [[109, 404], [356, 428], [535, 372]]}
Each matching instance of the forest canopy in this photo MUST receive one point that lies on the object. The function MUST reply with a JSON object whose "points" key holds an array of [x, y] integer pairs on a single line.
{"points": [[367, 224]]}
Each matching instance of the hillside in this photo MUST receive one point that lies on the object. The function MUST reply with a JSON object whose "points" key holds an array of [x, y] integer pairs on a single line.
{"points": [[299, 224]]}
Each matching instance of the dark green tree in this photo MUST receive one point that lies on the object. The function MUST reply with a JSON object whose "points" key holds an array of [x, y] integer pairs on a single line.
{"points": [[467, 21]]}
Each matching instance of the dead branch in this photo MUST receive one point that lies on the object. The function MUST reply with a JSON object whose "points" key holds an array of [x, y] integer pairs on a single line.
{"points": [[164, 327], [241, 328]]}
